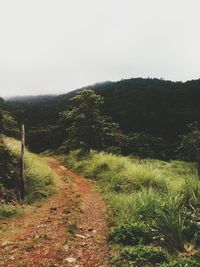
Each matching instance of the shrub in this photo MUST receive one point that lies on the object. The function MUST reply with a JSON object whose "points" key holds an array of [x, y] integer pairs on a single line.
{"points": [[9, 168], [145, 255], [192, 261], [131, 234], [7, 211]]}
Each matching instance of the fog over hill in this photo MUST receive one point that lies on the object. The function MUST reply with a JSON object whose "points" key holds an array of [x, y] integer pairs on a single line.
{"points": [[153, 106]]}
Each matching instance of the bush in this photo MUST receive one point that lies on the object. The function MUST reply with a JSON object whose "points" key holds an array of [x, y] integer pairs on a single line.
{"points": [[193, 261], [131, 234], [145, 255], [9, 168], [7, 211]]}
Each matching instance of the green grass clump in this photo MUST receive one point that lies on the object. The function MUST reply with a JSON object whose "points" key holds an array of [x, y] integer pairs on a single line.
{"points": [[170, 221], [8, 211], [191, 192], [39, 176], [142, 205], [145, 255], [131, 234], [191, 261], [39, 179]]}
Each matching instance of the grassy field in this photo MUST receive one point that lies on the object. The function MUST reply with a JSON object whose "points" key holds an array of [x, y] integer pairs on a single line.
{"points": [[39, 179], [154, 205]]}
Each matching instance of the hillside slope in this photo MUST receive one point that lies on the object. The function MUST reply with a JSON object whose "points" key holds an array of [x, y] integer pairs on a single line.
{"points": [[160, 108]]}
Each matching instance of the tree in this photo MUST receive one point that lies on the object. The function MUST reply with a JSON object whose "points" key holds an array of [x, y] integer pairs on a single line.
{"points": [[8, 124], [88, 127], [144, 146], [189, 148]]}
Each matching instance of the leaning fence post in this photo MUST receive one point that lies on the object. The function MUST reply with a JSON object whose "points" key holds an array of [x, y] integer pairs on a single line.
{"points": [[22, 167]]}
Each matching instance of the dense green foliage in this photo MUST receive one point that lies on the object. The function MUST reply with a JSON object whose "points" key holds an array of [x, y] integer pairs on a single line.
{"points": [[88, 128], [154, 204], [144, 255], [9, 168], [8, 124], [193, 261], [189, 148], [131, 234], [158, 109]]}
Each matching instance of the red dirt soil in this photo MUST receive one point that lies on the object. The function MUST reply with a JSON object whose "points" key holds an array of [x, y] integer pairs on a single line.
{"points": [[67, 229]]}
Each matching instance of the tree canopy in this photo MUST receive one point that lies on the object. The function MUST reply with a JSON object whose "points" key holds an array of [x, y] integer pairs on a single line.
{"points": [[88, 127]]}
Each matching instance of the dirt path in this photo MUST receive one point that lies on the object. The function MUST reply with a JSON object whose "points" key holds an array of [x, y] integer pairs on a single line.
{"points": [[67, 229]]}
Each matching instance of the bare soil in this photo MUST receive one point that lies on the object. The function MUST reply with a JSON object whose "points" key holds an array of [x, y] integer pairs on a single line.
{"points": [[67, 229]]}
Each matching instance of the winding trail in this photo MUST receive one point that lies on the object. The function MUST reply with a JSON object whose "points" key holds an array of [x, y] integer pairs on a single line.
{"points": [[67, 229]]}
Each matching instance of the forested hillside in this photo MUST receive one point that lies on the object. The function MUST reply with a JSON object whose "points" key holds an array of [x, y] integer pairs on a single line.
{"points": [[154, 204], [156, 108]]}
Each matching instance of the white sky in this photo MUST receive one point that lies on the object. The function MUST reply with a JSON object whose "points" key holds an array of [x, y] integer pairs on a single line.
{"points": [[54, 46]]}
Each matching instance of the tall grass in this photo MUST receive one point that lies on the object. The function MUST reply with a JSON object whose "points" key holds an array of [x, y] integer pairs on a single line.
{"points": [[39, 176], [164, 195]]}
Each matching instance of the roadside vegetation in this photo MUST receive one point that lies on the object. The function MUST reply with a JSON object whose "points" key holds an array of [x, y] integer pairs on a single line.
{"points": [[39, 176], [39, 179], [154, 206]]}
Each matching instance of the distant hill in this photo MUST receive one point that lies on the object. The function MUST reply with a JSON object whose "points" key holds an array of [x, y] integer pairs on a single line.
{"points": [[31, 99], [161, 108]]}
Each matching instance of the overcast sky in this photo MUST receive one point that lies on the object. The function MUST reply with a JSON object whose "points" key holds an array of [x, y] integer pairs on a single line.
{"points": [[54, 46]]}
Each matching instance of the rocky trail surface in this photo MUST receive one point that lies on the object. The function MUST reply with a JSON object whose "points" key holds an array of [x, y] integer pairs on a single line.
{"points": [[67, 229]]}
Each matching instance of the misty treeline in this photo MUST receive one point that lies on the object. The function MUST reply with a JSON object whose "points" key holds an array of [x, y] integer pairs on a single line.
{"points": [[147, 118]]}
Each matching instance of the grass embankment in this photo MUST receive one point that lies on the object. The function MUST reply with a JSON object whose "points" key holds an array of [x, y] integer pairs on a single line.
{"points": [[155, 208], [39, 179]]}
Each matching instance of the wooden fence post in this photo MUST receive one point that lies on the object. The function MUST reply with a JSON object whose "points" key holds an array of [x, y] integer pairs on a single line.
{"points": [[22, 169]]}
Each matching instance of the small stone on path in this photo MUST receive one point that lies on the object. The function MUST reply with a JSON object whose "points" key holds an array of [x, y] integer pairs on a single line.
{"points": [[70, 259]]}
